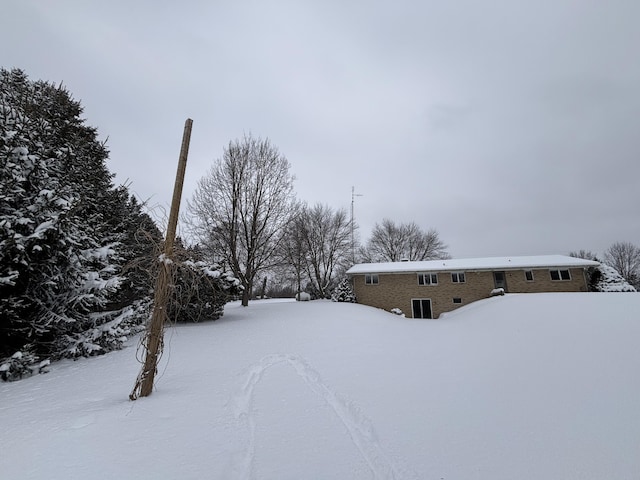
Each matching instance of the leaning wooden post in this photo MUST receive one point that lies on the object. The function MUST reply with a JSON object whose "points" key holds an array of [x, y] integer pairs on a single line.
{"points": [[154, 336]]}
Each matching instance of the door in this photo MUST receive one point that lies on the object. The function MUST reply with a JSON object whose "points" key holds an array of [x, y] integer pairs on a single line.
{"points": [[421, 308], [500, 280]]}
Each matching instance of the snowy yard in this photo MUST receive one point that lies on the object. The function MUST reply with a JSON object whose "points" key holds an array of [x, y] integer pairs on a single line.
{"points": [[537, 386]]}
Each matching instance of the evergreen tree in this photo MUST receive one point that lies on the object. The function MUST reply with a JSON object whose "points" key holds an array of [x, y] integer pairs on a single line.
{"points": [[138, 239], [46, 279], [606, 279], [344, 292], [65, 231]]}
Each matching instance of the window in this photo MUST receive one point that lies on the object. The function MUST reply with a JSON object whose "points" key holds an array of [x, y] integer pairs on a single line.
{"points": [[457, 277], [427, 279], [371, 279], [528, 275], [560, 274], [457, 300]]}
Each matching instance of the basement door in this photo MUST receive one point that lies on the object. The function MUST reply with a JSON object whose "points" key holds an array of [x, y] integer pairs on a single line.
{"points": [[500, 279], [421, 308]]}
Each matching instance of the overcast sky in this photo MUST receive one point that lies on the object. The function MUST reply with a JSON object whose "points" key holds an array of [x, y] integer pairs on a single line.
{"points": [[511, 127]]}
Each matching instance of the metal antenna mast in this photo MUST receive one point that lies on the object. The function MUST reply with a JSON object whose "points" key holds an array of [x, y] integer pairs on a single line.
{"points": [[353, 244]]}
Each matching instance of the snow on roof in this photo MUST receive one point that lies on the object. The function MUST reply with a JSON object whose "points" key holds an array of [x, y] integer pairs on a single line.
{"points": [[471, 264]]}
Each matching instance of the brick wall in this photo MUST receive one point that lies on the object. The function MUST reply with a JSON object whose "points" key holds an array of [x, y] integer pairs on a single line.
{"points": [[398, 289]]}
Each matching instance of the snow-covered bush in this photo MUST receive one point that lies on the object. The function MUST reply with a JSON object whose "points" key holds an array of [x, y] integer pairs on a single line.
{"points": [[344, 292], [303, 297], [397, 311], [106, 331], [604, 278], [21, 364], [199, 289]]}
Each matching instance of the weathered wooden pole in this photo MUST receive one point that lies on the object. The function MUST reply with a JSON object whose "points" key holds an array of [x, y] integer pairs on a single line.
{"points": [[154, 336]]}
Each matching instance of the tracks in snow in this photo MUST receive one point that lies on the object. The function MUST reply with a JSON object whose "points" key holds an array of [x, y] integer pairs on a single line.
{"points": [[360, 429]]}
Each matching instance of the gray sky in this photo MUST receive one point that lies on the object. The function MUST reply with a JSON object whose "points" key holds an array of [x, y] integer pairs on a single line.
{"points": [[511, 127]]}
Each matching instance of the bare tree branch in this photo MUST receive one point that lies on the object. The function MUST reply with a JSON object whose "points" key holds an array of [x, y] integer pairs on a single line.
{"points": [[319, 243], [392, 243], [625, 258]]}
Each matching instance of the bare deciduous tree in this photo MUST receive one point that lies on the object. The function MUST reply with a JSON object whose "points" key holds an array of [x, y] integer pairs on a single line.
{"points": [[240, 208], [294, 248], [327, 245], [392, 243], [625, 258]]}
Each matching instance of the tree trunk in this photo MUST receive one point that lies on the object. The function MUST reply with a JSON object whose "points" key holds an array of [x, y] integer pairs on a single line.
{"points": [[264, 287], [245, 296]]}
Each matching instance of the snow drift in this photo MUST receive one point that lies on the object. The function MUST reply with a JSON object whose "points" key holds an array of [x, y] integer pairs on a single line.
{"points": [[522, 386]]}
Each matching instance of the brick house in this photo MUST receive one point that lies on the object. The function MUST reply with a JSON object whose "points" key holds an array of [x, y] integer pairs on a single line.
{"points": [[430, 288]]}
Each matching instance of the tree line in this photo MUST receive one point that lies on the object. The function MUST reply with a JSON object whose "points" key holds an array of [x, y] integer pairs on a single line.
{"points": [[244, 212]]}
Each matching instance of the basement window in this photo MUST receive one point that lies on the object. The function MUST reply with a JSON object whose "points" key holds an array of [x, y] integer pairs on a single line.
{"points": [[371, 279], [457, 300], [560, 274]]}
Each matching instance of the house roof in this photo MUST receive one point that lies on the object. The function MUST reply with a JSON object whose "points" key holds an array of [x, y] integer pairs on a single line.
{"points": [[474, 264]]}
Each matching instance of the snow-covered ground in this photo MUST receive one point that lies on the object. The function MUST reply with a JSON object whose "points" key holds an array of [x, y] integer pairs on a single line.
{"points": [[537, 386]]}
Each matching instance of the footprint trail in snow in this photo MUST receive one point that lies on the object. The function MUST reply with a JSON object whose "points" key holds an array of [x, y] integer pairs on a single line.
{"points": [[360, 429]]}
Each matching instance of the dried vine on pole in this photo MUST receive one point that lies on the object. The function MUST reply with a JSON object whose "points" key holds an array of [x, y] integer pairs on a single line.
{"points": [[154, 337]]}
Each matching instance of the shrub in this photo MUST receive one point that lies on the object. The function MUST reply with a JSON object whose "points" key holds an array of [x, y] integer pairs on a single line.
{"points": [[344, 292], [199, 289], [23, 363]]}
